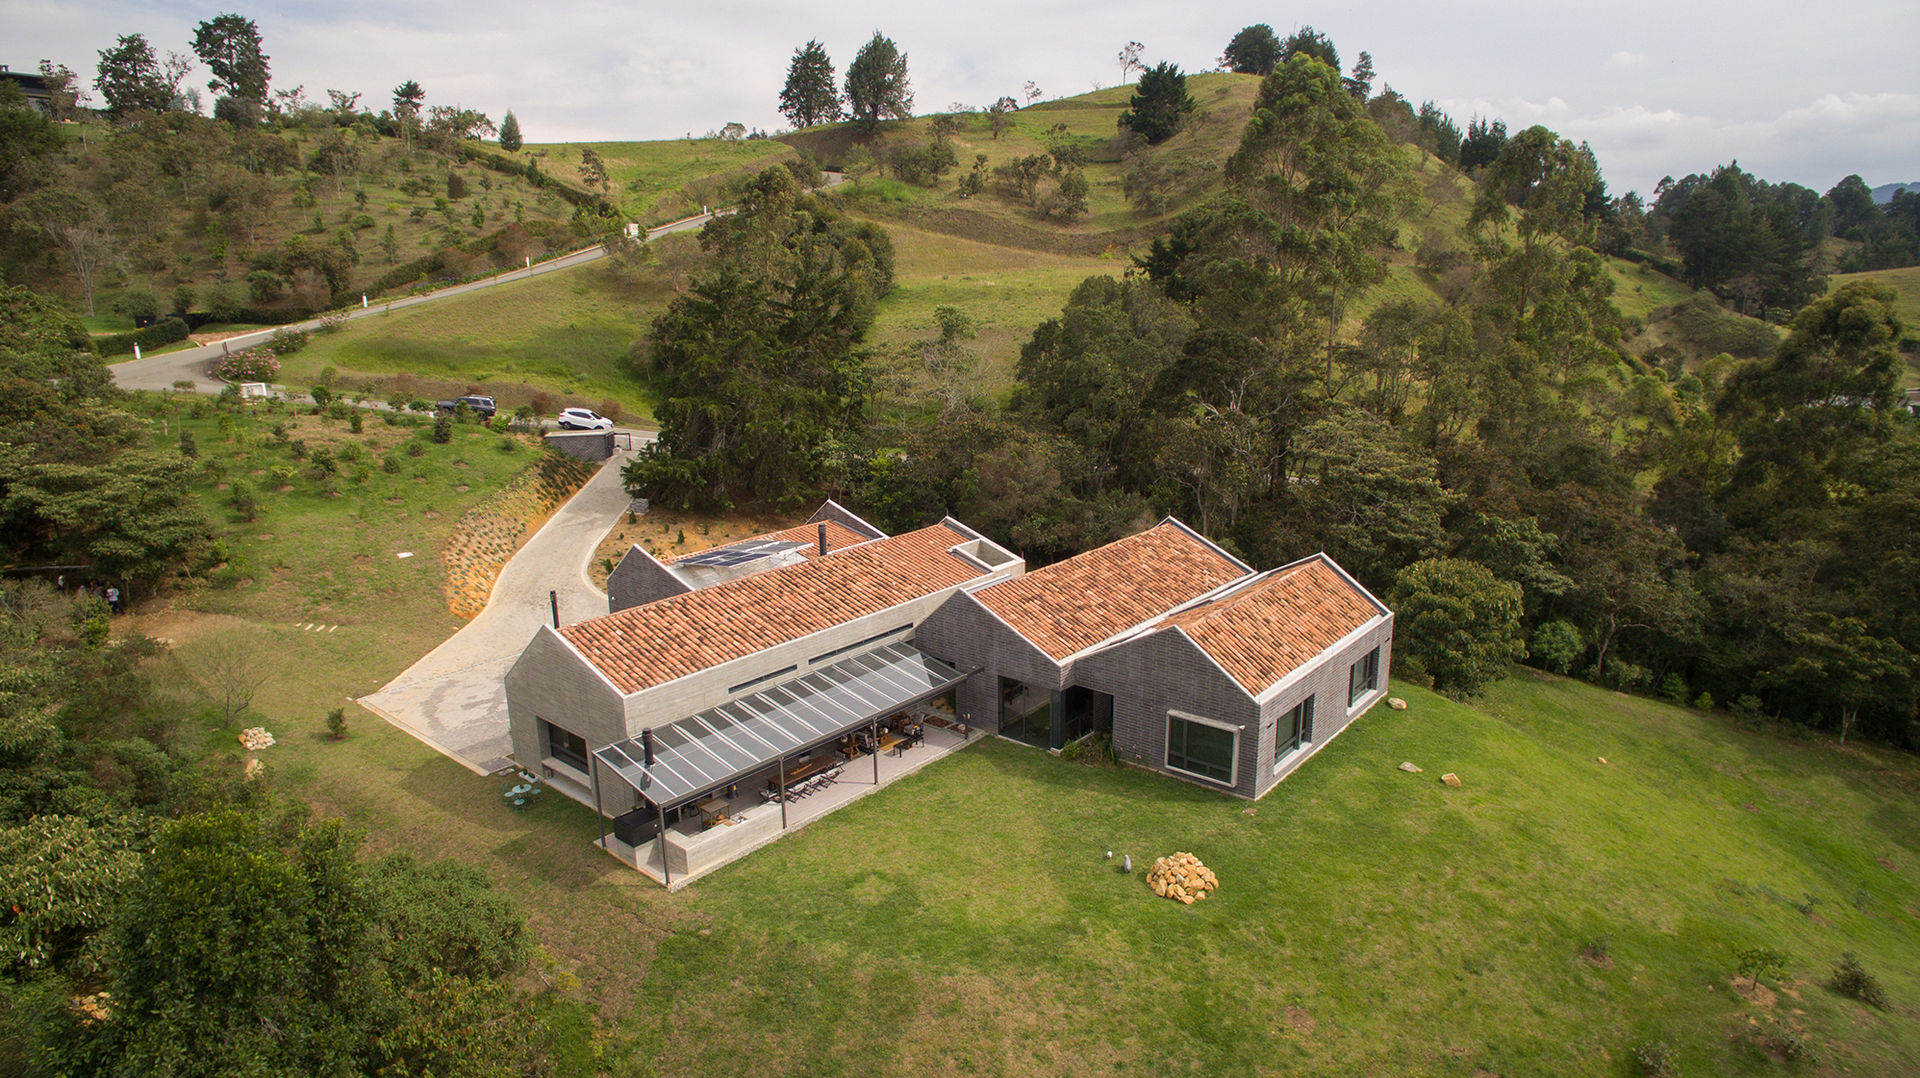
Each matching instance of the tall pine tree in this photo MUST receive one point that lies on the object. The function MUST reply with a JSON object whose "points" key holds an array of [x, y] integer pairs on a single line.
{"points": [[809, 98]]}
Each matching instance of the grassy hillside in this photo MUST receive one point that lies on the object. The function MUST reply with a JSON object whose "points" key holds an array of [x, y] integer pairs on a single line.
{"points": [[656, 182]]}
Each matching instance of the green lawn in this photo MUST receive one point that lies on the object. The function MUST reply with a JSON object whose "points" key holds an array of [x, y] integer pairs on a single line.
{"points": [[965, 920], [1638, 288], [565, 333]]}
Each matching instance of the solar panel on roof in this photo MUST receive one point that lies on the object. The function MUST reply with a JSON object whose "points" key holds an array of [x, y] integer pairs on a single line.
{"points": [[739, 553]]}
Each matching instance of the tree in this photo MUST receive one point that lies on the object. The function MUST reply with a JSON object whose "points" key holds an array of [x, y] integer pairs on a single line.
{"points": [[809, 97], [407, 98], [593, 171], [1130, 61], [231, 669], [510, 133], [76, 223], [1360, 83], [1159, 104], [877, 85], [1459, 621], [1253, 51], [230, 47], [64, 92], [130, 78], [1000, 116], [1307, 41], [1484, 140]]}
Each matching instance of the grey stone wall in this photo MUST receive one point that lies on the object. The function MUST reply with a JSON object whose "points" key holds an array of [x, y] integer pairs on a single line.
{"points": [[834, 511], [966, 634], [1327, 683], [1151, 675], [586, 444], [640, 578]]}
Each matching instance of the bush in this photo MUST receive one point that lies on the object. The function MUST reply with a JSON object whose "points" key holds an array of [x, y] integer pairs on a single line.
{"points": [[415, 449], [1674, 688], [443, 429], [246, 504], [1703, 702], [224, 303], [355, 422], [286, 342], [1850, 979], [337, 723], [183, 297], [1558, 645], [1654, 1058], [1754, 963], [390, 464], [188, 448], [1459, 620], [610, 408], [137, 304], [281, 475], [164, 332], [297, 449], [251, 365], [509, 444]]}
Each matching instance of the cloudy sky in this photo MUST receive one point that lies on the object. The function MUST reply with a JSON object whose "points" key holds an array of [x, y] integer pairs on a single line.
{"points": [[1800, 92]]}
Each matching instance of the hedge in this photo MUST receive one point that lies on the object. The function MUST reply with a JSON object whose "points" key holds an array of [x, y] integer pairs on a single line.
{"points": [[166, 331]]}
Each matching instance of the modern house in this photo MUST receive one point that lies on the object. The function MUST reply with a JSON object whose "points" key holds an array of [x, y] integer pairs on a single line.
{"points": [[735, 680]]}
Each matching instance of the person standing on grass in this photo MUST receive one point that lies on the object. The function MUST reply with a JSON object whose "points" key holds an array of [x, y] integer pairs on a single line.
{"points": [[113, 598]]}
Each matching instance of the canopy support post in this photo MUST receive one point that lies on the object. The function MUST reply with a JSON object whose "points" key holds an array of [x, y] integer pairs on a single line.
{"points": [[594, 773], [660, 840], [873, 731], [783, 792]]}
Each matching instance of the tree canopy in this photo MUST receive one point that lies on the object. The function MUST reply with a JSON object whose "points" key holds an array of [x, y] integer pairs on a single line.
{"points": [[877, 86], [1253, 51], [810, 97], [1159, 105], [230, 47]]}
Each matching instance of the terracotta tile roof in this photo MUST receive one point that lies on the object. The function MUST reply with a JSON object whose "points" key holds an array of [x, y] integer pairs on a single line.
{"points": [[653, 644], [1268, 629], [1071, 605], [838, 536]]}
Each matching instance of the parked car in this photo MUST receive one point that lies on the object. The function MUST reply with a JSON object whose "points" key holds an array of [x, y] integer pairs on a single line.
{"points": [[583, 419], [481, 405]]}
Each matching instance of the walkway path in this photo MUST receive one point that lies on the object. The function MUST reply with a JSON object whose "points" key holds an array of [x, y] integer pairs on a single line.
{"points": [[455, 698]]}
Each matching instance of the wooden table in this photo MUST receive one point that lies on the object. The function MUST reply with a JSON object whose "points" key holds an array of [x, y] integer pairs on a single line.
{"points": [[711, 808], [808, 768]]}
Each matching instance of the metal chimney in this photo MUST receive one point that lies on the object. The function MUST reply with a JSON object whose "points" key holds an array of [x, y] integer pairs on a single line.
{"points": [[646, 746], [823, 538]]}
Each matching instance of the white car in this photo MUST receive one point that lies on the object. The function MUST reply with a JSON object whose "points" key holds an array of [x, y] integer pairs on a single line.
{"points": [[583, 419]]}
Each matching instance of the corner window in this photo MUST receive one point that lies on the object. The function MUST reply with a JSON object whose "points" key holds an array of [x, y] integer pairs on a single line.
{"points": [[1294, 730], [1363, 677], [1200, 747], [566, 746]]}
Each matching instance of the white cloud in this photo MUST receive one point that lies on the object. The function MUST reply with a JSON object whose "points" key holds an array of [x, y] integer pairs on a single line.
{"points": [[1626, 61]]}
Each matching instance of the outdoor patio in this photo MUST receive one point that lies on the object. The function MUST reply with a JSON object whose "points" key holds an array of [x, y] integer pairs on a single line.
{"points": [[745, 822]]}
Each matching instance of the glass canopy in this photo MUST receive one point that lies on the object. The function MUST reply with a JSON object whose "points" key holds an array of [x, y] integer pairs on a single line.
{"points": [[724, 744]]}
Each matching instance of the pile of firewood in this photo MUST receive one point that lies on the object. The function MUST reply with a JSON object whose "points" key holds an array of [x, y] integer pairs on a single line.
{"points": [[1182, 878]]}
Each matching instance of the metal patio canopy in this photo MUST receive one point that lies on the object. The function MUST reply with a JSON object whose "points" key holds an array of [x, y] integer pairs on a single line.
{"points": [[721, 745]]}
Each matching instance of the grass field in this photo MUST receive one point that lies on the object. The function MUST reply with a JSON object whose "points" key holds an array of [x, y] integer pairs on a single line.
{"points": [[655, 182], [966, 921], [565, 333]]}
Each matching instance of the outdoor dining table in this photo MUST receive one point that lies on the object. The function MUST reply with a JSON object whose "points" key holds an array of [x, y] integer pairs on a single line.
{"points": [[710, 809]]}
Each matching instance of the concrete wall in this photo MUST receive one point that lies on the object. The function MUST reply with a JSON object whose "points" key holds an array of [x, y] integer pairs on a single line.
{"points": [[586, 444], [551, 681], [640, 578], [968, 635], [1326, 682], [840, 514], [1151, 675]]}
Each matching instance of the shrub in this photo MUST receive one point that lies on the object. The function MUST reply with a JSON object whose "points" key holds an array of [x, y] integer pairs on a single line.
{"points": [[1703, 702], [1558, 645], [508, 444], [297, 449], [1754, 963], [339, 409], [188, 448], [1852, 980], [337, 723], [542, 403], [1459, 620], [183, 297], [285, 342], [415, 449], [355, 422], [1599, 948], [1654, 1058], [246, 504], [443, 429], [250, 365], [390, 464], [610, 408], [1674, 688], [1747, 706], [321, 395], [281, 475]]}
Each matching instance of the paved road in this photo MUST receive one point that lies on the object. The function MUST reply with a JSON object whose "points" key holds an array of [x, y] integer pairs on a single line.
{"points": [[190, 364], [455, 699]]}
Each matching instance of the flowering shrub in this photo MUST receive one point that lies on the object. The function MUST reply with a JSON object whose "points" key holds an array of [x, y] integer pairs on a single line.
{"points": [[252, 365]]}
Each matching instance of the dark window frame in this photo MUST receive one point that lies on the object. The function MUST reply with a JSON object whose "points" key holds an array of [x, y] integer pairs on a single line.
{"points": [[1179, 756], [559, 750], [1294, 730], [1363, 677]]}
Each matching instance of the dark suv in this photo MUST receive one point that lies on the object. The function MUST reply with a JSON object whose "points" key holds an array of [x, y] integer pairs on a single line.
{"points": [[481, 405]]}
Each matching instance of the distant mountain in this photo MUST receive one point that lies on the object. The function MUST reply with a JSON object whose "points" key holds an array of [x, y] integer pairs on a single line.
{"points": [[1883, 194]]}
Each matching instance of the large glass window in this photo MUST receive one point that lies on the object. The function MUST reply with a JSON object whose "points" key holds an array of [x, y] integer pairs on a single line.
{"points": [[1200, 748], [1363, 677], [1294, 729], [566, 746], [1026, 713]]}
